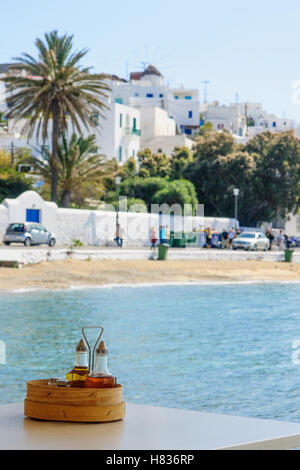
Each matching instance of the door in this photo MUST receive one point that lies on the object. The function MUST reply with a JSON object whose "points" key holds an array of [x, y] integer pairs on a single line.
{"points": [[33, 215]]}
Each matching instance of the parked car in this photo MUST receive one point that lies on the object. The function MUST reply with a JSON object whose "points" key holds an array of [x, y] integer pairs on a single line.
{"points": [[251, 241], [29, 233]]}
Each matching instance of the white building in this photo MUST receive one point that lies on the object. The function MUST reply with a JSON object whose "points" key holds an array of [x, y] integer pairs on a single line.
{"points": [[167, 144], [158, 132], [244, 120], [260, 120], [117, 134], [147, 89], [143, 113], [225, 117]]}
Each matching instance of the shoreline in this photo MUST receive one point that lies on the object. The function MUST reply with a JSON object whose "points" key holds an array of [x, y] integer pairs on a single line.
{"points": [[147, 285], [93, 274]]}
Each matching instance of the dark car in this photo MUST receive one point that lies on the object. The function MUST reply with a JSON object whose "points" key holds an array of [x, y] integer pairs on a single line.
{"points": [[29, 233]]}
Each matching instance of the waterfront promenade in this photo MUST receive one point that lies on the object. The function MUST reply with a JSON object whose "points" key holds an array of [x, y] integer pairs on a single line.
{"points": [[25, 256]]}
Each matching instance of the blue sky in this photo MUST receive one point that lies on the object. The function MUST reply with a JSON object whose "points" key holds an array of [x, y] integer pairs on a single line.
{"points": [[249, 48]]}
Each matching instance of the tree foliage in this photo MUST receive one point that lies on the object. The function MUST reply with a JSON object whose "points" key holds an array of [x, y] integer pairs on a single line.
{"points": [[153, 164], [80, 169], [53, 91], [266, 170], [13, 183]]}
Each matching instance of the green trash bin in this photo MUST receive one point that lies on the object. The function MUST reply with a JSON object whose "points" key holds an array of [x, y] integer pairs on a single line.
{"points": [[288, 256], [179, 240], [162, 251]]}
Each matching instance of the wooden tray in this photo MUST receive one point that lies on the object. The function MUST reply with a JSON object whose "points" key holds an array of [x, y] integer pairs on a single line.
{"points": [[93, 405]]}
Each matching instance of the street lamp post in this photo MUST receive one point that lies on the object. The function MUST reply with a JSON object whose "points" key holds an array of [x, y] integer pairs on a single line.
{"points": [[236, 193], [117, 181]]}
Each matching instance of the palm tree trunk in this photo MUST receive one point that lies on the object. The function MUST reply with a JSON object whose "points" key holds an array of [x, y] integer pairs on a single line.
{"points": [[66, 198], [54, 166]]}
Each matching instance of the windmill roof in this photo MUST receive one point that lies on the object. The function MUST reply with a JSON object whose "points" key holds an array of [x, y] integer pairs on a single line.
{"points": [[152, 70]]}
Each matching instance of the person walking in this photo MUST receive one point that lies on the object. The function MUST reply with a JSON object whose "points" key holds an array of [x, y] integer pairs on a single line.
{"points": [[231, 236], [167, 235], [119, 236], [271, 237], [280, 240], [153, 237], [162, 234], [287, 241], [208, 237], [224, 238]]}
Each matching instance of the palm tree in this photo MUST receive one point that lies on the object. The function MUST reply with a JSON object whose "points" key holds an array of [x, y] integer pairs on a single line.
{"points": [[80, 168], [53, 90]]}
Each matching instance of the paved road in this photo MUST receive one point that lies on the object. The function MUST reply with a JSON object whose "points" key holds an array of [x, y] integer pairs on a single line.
{"points": [[115, 248]]}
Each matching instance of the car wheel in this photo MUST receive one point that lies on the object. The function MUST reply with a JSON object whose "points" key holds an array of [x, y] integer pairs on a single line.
{"points": [[27, 242], [6, 243], [52, 242]]}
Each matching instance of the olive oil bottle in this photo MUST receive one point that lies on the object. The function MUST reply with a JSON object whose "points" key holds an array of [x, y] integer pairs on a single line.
{"points": [[79, 373]]}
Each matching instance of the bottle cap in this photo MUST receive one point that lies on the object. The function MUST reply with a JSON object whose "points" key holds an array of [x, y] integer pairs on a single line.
{"points": [[81, 346], [101, 348]]}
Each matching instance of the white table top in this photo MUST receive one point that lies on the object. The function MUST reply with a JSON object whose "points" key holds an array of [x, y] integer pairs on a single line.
{"points": [[147, 428]]}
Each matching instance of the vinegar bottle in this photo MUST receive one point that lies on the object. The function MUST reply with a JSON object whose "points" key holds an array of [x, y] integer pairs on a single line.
{"points": [[79, 373], [100, 377]]}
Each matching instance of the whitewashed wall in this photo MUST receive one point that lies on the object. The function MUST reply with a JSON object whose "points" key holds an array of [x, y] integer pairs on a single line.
{"points": [[31, 200], [292, 226], [3, 219], [98, 227]]}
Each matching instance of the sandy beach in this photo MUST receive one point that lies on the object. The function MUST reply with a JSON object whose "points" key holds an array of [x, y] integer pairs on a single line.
{"points": [[74, 273]]}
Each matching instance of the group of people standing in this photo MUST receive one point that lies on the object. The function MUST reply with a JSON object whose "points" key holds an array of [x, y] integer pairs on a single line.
{"points": [[225, 238], [282, 241]]}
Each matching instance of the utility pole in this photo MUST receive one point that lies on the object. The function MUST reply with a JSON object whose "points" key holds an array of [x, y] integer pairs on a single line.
{"points": [[246, 117], [205, 83], [12, 155]]}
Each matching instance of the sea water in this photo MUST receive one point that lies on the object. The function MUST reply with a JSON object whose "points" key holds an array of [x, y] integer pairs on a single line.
{"points": [[223, 348]]}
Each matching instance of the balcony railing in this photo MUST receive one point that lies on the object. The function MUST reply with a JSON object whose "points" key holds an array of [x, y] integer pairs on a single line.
{"points": [[131, 131]]}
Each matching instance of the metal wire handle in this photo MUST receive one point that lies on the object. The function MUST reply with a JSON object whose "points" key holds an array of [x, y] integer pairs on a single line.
{"points": [[91, 365]]}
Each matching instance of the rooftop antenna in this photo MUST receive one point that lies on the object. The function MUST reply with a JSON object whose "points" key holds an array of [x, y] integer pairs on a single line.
{"points": [[237, 98], [205, 83]]}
